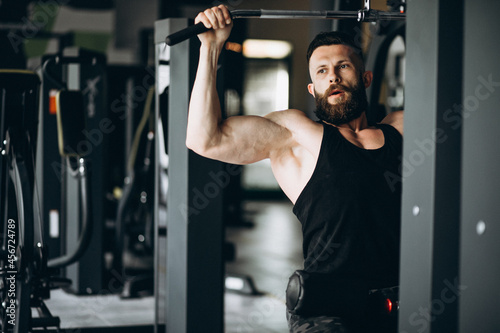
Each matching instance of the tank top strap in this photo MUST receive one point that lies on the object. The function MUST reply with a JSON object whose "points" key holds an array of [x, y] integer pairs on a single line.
{"points": [[331, 135], [331, 132], [391, 135]]}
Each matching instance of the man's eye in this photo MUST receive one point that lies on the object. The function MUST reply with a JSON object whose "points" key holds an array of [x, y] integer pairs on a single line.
{"points": [[343, 66], [322, 71]]}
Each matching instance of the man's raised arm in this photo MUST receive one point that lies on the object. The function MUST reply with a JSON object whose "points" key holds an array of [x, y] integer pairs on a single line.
{"points": [[240, 139]]}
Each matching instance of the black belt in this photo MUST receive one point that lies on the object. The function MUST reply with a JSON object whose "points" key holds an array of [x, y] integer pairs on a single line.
{"points": [[313, 294]]}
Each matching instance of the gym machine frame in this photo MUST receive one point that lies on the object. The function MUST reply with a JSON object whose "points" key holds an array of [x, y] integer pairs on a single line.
{"points": [[449, 244], [26, 274]]}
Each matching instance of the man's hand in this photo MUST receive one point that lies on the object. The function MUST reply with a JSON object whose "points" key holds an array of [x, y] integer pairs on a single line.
{"points": [[219, 20]]}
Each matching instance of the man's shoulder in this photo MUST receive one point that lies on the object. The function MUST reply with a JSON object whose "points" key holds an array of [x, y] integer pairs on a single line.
{"points": [[395, 119], [304, 131], [292, 119]]}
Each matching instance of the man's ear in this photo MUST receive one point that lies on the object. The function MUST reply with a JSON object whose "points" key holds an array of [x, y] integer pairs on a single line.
{"points": [[367, 78], [310, 88]]}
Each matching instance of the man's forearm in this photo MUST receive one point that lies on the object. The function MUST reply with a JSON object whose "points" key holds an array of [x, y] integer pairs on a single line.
{"points": [[204, 108]]}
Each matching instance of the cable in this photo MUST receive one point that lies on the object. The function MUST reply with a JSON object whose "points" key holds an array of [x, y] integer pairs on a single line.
{"points": [[45, 72], [86, 229], [140, 128]]}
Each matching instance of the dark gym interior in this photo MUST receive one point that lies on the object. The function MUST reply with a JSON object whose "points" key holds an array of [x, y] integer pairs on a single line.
{"points": [[111, 224]]}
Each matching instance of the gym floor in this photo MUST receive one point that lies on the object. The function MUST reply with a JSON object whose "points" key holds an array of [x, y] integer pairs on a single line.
{"points": [[268, 252]]}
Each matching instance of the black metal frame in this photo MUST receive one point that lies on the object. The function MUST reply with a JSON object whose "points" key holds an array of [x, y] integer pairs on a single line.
{"points": [[74, 69]]}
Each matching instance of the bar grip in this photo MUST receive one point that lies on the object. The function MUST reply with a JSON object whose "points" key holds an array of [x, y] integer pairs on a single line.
{"points": [[199, 28], [185, 33]]}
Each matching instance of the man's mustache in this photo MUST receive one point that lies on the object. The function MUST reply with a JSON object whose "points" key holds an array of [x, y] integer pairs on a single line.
{"points": [[337, 86]]}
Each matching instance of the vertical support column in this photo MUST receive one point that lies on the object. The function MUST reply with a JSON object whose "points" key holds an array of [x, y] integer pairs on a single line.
{"points": [[480, 230], [71, 201], [431, 167], [194, 263]]}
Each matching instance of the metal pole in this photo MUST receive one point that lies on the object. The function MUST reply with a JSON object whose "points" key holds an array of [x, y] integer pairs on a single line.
{"points": [[294, 14], [370, 14], [479, 247], [194, 290]]}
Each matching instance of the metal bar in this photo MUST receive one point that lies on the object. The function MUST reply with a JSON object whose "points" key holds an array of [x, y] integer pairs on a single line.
{"points": [[370, 14], [365, 15], [379, 15], [246, 13], [307, 14]]}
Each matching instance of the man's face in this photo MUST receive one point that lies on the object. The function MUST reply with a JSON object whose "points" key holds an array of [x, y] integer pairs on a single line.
{"points": [[338, 84]]}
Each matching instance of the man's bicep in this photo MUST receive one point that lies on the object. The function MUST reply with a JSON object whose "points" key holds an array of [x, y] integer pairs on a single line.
{"points": [[248, 139]]}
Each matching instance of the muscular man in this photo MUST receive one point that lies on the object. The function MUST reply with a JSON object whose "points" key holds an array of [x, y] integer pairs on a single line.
{"points": [[335, 171]]}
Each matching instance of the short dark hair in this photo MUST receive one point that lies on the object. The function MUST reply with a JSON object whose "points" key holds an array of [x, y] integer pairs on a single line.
{"points": [[334, 38]]}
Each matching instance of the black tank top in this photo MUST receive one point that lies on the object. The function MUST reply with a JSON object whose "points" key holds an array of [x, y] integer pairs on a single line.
{"points": [[350, 209]]}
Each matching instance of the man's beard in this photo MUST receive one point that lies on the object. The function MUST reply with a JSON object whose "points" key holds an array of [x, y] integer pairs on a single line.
{"points": [[348, 107]]}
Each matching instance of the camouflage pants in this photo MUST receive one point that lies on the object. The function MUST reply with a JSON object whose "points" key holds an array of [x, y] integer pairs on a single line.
{"points": [[319, 324]]}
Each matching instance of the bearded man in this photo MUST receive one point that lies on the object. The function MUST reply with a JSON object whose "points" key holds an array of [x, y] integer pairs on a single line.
{"points": [[333, 170]]}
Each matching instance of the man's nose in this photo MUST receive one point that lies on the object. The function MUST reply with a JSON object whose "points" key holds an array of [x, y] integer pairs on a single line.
{"points": [[334, 78]]}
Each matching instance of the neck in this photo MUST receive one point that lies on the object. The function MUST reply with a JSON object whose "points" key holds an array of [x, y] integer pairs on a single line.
{"points": [[354, 125]]}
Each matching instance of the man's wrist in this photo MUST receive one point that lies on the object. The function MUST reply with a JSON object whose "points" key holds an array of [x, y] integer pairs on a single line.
{"points": [[211, 50]]}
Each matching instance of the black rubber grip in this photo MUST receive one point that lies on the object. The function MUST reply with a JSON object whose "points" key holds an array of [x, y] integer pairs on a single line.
{"points": [[185, 33]]}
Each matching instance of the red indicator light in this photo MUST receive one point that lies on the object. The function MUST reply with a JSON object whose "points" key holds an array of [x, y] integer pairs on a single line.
{"points": [[388, 305]]}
